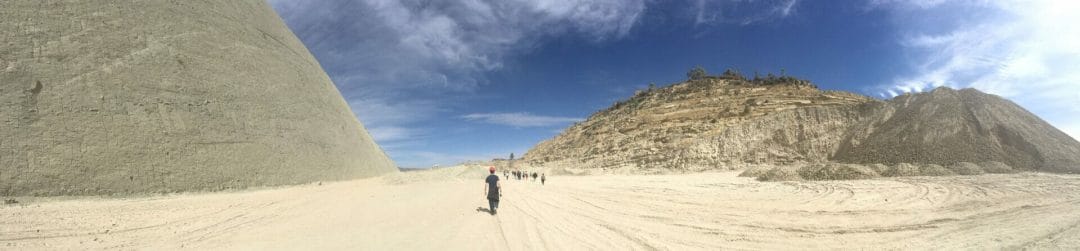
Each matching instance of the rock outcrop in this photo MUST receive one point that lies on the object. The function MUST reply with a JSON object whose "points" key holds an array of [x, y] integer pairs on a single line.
{"points": [[726, 123], [124, 97]]}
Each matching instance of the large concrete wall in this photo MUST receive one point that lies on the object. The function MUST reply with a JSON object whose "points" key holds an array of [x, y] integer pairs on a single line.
{"points": [[108, 97]]}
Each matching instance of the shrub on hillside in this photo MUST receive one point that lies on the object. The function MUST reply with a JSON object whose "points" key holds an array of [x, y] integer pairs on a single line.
{"points": [[732, 74]]}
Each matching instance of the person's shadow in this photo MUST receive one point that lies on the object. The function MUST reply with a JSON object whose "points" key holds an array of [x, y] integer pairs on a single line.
{"points": [[483, 209]]}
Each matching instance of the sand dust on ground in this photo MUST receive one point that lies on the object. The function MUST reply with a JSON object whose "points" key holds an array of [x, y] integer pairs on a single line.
{"points": [[418, 210]]}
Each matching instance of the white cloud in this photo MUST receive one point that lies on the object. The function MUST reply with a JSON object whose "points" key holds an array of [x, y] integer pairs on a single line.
{"points": [[392, 133], [519, 119], [403, 62], [1027, 51]]}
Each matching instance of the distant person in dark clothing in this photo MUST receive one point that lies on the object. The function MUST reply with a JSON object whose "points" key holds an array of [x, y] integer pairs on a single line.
{"points": [[542, 179], [492, 190]]}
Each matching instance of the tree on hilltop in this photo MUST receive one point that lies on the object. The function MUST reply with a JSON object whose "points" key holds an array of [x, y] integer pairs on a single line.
{"points": [[697, 73]]}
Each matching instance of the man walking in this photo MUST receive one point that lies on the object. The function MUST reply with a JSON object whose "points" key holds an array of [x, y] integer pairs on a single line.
{"points": [[492, 190]]}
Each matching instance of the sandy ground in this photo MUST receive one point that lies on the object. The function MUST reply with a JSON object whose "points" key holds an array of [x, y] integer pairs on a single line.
{"points": [[697, 211]]}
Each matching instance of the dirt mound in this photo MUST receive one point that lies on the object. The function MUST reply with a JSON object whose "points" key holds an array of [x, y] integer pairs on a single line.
{"points": [[934, 170], [836, 171], [781, 173], [966, 168], [947, 126], [996, 167], [839, 171], [756, 171], [902, 169], [162, 96]]}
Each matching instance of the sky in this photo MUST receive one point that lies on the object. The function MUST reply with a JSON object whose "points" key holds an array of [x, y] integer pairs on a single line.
{"points": [[440, 82]]}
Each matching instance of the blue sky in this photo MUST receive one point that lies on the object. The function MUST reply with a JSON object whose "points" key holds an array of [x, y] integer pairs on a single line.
{"points": [[440, 82]]}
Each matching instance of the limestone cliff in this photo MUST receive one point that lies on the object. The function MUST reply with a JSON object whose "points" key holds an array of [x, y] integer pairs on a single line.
{"points": [[707, 124], [104, 97]]}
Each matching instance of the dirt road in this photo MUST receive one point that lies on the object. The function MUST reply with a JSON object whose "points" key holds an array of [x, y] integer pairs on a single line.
{"points": [[696, 211]]}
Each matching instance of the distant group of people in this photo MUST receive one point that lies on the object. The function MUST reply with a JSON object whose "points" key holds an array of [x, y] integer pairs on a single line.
{"points": [[493, 189], [519, 175]]}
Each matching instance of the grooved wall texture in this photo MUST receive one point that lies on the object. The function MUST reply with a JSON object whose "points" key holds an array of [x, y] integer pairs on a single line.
{"points": [[118, 97]]}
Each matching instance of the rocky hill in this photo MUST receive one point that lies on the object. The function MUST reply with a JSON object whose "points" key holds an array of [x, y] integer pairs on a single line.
{"points": [[706, 124], [102, 97], [730, 122]]}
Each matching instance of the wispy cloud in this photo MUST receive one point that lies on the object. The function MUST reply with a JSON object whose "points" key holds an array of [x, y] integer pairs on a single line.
{"points": [[519, 119], [1028, 51], [740, 11], [921, 4]]}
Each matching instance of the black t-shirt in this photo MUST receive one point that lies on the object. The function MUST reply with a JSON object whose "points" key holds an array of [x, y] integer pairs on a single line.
{"points": [[493, 187]]}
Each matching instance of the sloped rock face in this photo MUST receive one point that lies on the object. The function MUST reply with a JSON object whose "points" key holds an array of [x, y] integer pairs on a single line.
{"points": [[707, 124], [728, 123], [157, 96], [947, 127]]}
